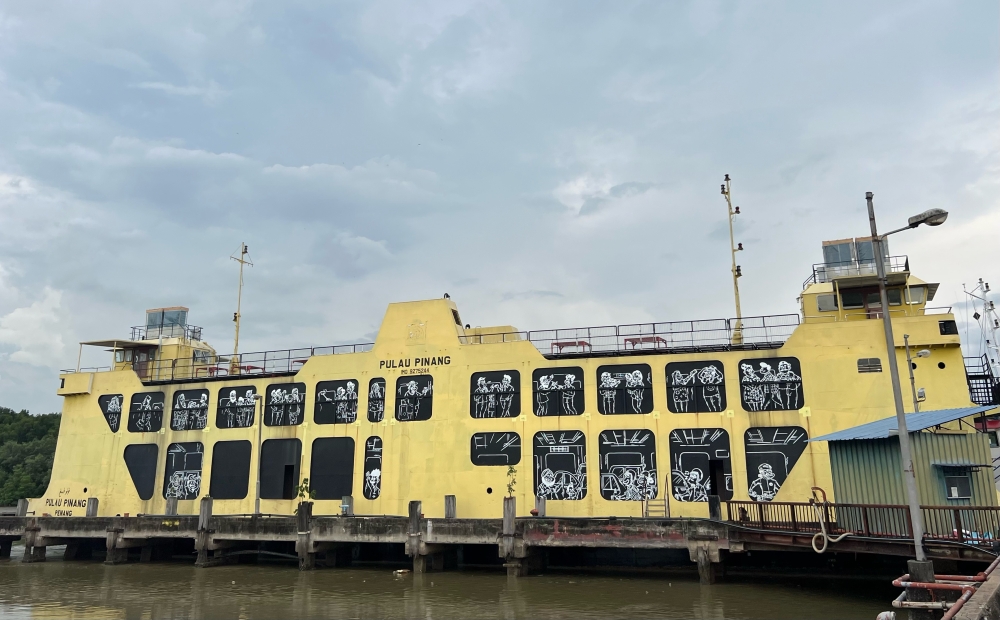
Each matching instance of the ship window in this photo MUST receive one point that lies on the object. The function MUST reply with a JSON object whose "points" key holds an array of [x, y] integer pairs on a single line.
{"points": [[957, 483], [145, 412], [230, 470], [869, 364], [852, 299], [189, 411], [236, 407], [948, 328], [495, 449], [331, 472], [414, 398], [826, 303], [895, 296], [182, 474], [628, 465], [696, 387], [558, 391], [111, 407], [284, 405], [495, 394], [373, 467], [837, 254], [915, 294], [279, 468], [771, 384], [140, 459], [700, 464], [560, 465], [119, 356], [376, 400], [624, 389], [336, 402]]}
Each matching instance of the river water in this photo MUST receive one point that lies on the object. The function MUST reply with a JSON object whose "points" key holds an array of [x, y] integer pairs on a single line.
{"points": [[89, 589]]}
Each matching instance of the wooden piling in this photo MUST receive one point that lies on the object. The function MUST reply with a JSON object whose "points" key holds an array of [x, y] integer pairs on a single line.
{"points": [[450, 507]]}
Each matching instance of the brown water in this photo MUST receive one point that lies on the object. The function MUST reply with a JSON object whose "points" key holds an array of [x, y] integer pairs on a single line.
{"points": [[57, 589]]}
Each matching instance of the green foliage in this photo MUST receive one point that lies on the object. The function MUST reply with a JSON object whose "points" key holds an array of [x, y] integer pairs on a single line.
{"points": [[511, 480], [304, 491], [27, 445]]}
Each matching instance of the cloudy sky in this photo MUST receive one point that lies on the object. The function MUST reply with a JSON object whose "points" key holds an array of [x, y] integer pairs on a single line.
{"points": [[547, 164]]}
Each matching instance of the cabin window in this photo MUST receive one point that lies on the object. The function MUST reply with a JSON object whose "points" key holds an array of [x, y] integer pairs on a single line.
{"points": [[560, 465], [111, 407], [495, 394], [771, 453], [558, 391], [182, 474], [957, 483], [826, 303], [331, 472], [628, 465], [915, 294], [202, 356], [895, 296], [145, 412], [771, 384], [838, 254], [285, 402], [189, 411], [700, 464], [948, 328], [414, 397], [696, 387], [230, 469], [869, 364], [336, 402], [624, 389], [373, 467], [123, 355], [237, 407], [852, 300], [140, 459], [279, 468], [488, 449], [376, 400]]}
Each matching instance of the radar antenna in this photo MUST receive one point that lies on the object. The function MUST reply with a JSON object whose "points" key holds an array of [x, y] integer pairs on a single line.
{"points": [[737, 271], [242, 256]]}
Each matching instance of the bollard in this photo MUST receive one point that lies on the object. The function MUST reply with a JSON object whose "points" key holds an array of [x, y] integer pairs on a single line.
{"points": [[413, 538], [450, 507], [303, 545], [714, 508], [347, 505], [171, 510], [540, 506], [204, 535], [92, 504], [921, 572], [22, 508]]}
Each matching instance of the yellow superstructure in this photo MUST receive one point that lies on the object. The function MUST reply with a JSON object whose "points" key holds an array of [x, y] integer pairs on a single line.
{"points": [[749, 408]]}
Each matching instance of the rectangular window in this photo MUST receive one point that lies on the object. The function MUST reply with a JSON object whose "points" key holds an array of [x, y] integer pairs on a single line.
{"points": [[331, 471], [285, 402], [190, 410], [336, 402], [182, 474], [628, 465], [696, 387], [560, 465], [495, 394], [376, 400], [414, 397], [957, 483], [993, 439], [915, 294], [237, 407], [145, 412], [279, 468], [895, 296], [869, 364], [558, 391], [851, 300], [624, 389], [838, 254], [826, 303], [948, 328], [230, 470], [495, 449], [771, 384], [373, 467]]}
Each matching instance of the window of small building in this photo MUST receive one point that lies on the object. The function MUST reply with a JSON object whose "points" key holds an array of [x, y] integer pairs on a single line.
{"points": [[869, 364], [237, 407], [279, 468], [994, 443], [558, 391], [336, 402], [826, 303], [285, 404], [230, 469], [145, 412], [414, 397], [376, 400], [957, 483], [851, 300], [495, 394], [189, 411], [140, 459], [331, 471], [915, 294], [488, 449], [182, 474], [624, 389]]}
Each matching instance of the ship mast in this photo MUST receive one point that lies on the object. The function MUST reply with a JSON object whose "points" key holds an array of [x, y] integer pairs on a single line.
{"points": [[737, 272], [242, 259], [990, 324]]}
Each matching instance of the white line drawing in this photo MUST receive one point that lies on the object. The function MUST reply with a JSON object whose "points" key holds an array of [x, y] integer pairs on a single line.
{"points": [[494, 399], [628, 465], [764, 389], [373, 468], [111, 407], [692, 453], [560, 465], [608, 389], [624, 389], [414, 398], [711, 379], [680, 393], [183, 470], [235, 410], [564, 386], [189, 413], [342, 396], [376, 400], [143, 412], [695, 387], [771, 452], [496, 449], [284, 405]]}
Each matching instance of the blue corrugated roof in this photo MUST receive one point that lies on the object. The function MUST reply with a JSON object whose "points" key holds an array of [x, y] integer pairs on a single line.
{"points": [[880, 429]]}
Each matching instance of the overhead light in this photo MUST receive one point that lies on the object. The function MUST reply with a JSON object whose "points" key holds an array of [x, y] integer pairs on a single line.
{"points": [[931, 217], [924, 353]]}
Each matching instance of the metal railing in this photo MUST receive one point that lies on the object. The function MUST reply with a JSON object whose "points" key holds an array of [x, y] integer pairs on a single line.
{"points": [[977, 525], [155, 332], [984, 388], [758, 332], [828, 272]]}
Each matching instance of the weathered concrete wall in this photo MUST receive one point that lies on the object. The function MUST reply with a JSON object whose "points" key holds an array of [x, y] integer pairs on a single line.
{"points": [[985, 603]]}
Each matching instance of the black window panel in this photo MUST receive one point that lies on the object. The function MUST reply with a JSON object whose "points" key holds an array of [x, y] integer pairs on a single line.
{"points": [[700, 464], [560, 465], [958, 485], [771, 384], [182, 475], [284, 404], [189, 410], [237, 407], [850, 300], [696, 387], [771, 453], [895, 296], [145, 413], [331, 472], [869, 364], [336, 402], [628, 464], [140, 459], [376, 400], [624, 389], [948, 328], [111, 407], [230, 469], [495, 394], [558, 391], [495, 448], [414, 397], [279, 468], [373, 467]]}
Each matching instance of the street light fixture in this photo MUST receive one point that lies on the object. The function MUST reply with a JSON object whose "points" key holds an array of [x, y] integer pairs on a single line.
{"points": [[931, 217]]}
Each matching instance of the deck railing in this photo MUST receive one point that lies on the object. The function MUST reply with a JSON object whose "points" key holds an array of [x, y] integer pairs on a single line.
{"points": [[828, 272]]}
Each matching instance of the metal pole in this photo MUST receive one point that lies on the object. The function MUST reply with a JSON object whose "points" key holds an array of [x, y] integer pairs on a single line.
{"points": [[738, 330], [909, 366], [258, 399], [909, 479]]}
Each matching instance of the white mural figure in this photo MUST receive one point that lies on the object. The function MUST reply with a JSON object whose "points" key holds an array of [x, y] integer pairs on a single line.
{"points": [[506, 390], [560, 465], [680, 393], [634, 387], [113, 411], [753, 392], [765, 389], [376, 401], [411, 396], [608, 390], [769, 380], [482, 396], [711, 379], [230, 407], [295, 410], [542, 395], [144, 421], [373, 468], [691, 486], [569, 387], [627, 465], [373, 482], [791, 384], [184, 480], [115, 404], [764, 487], [277, 410]]}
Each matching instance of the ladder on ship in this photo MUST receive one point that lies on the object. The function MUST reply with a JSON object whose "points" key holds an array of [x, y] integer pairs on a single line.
{"points": [[655, 508]]}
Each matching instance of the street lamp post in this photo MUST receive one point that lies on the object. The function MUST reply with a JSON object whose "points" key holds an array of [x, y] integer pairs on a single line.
{"points": [[933, 217], [909, 367]]}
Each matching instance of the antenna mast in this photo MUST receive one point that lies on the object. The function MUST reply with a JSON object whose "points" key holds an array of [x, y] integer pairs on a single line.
{"points": [[737, 272], [242, 259]]}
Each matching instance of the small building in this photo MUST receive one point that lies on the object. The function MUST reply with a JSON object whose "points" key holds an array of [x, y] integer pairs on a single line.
{"points": [[951, 459]]}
